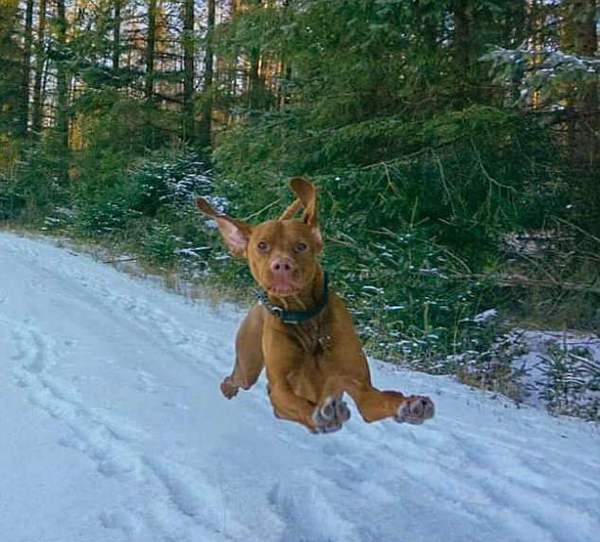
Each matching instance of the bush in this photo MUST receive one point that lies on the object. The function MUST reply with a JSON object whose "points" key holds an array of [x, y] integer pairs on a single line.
{"points": [[33, 186], [12, 202], [167, 179], [104, 218], [571, 381], [160, 245], [161, 183]]}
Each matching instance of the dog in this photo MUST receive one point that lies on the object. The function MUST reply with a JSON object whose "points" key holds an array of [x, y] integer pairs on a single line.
{"points": [[300, 331]]}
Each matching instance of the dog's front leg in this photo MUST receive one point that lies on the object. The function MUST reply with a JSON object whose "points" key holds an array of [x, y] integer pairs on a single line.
{"points": [[325, 417], [249, 359], [285, 363], [287, 405]]}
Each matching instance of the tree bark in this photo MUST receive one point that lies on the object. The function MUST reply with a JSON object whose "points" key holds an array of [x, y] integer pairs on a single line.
{"points": [[468, 46], [205, 129], [255, 83], [580, 38], [462, 35], [116, 52], [189, 130], [150, 49], [25, 78], [62, 81], [38, 90], [254, 86]]}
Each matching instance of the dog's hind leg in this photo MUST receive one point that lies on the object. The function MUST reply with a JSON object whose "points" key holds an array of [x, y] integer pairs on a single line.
{"points": [[249, 354]]}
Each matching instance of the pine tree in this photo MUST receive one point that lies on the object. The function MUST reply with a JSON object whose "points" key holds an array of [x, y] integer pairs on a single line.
{"points": [[205, 127], [189, 125], [61, 126], [40, 63], [26, 76], [580, 38]]}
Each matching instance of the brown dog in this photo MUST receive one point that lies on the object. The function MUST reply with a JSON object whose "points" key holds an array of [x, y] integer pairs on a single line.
{"points": [[302, 332]]}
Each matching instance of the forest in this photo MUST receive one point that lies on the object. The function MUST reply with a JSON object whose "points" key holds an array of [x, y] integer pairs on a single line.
{"points": [[456, 145]]}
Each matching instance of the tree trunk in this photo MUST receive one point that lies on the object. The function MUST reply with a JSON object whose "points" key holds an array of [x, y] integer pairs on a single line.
{"points": [[583, 20], [150, 48], [256, 91], [254, 83], [62, 83], [25, 78], [462, 35], [205, 129], [580, 38], [188, 70], [285, 70], [116, 52], [467, 47], [36, 121]]}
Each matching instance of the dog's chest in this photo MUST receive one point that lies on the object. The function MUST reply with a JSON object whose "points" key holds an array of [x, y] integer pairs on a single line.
{"points": [[313, 338], [310, 373]]}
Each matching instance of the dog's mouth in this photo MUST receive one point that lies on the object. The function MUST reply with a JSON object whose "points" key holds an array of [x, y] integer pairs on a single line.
{"points": [[284, 290], [284, 287]]}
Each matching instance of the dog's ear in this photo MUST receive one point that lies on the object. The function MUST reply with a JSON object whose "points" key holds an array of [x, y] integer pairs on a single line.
{"points": [[307, 194], [291, 210], [235, 233]]}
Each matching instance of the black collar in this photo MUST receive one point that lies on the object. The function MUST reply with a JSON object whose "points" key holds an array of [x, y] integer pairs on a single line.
{"points": [[295, 317]]}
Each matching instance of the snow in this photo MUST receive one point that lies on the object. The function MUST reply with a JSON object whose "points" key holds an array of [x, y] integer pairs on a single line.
{"points": [[114, 429], [485, 316], [535, 363]]}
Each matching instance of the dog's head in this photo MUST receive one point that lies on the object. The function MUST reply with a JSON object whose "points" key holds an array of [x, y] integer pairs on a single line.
{"points": [[282, 253]]}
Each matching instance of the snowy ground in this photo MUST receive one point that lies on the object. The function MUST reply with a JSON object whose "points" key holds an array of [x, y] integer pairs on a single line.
{"points": [[113, 429]]}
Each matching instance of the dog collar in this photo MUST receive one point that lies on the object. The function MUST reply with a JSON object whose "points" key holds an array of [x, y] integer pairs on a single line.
{"points": [[295, 317]]}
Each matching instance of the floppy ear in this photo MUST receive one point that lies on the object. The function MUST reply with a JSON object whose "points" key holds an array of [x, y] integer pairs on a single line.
{"points": [[235, 233], [307, 194], [291, 210]]}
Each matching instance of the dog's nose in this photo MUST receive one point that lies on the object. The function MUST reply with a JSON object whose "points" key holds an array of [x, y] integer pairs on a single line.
{"points": [[282, 265]]}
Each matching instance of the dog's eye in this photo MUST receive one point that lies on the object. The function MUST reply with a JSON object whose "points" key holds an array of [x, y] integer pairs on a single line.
{"points": [[262, 246], [301, 247]]}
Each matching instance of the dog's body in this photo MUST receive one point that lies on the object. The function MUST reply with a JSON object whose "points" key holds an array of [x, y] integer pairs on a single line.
{"points": [[309, 364]]}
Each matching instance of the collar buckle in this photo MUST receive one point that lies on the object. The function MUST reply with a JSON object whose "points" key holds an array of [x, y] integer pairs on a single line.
{"points": [[277, 311]]}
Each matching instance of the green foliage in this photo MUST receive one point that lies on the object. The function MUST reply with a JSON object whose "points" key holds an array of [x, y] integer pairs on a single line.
{"points": [[467, 176], [105, 217], [554, 74], [491, 366], [159, 246], [34, 185], [164, 179], [10, 67], [571, 381], [418, 184], [109, 118]]}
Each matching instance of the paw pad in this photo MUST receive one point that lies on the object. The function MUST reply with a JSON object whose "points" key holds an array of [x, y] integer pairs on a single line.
{"points": [[330, 416], [415, 410]]}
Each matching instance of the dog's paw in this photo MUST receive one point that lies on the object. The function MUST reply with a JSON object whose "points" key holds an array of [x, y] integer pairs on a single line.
{"points": [[330, 415], [228, 388], [415, 410]]}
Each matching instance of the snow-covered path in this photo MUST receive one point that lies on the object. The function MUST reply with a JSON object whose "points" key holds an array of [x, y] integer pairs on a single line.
{"points": [[113, 428]]}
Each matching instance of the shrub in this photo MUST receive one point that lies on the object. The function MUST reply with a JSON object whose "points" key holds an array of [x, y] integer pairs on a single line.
{"points": [[104, 218], [33, 186], [160, 245], [571, 380]]}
